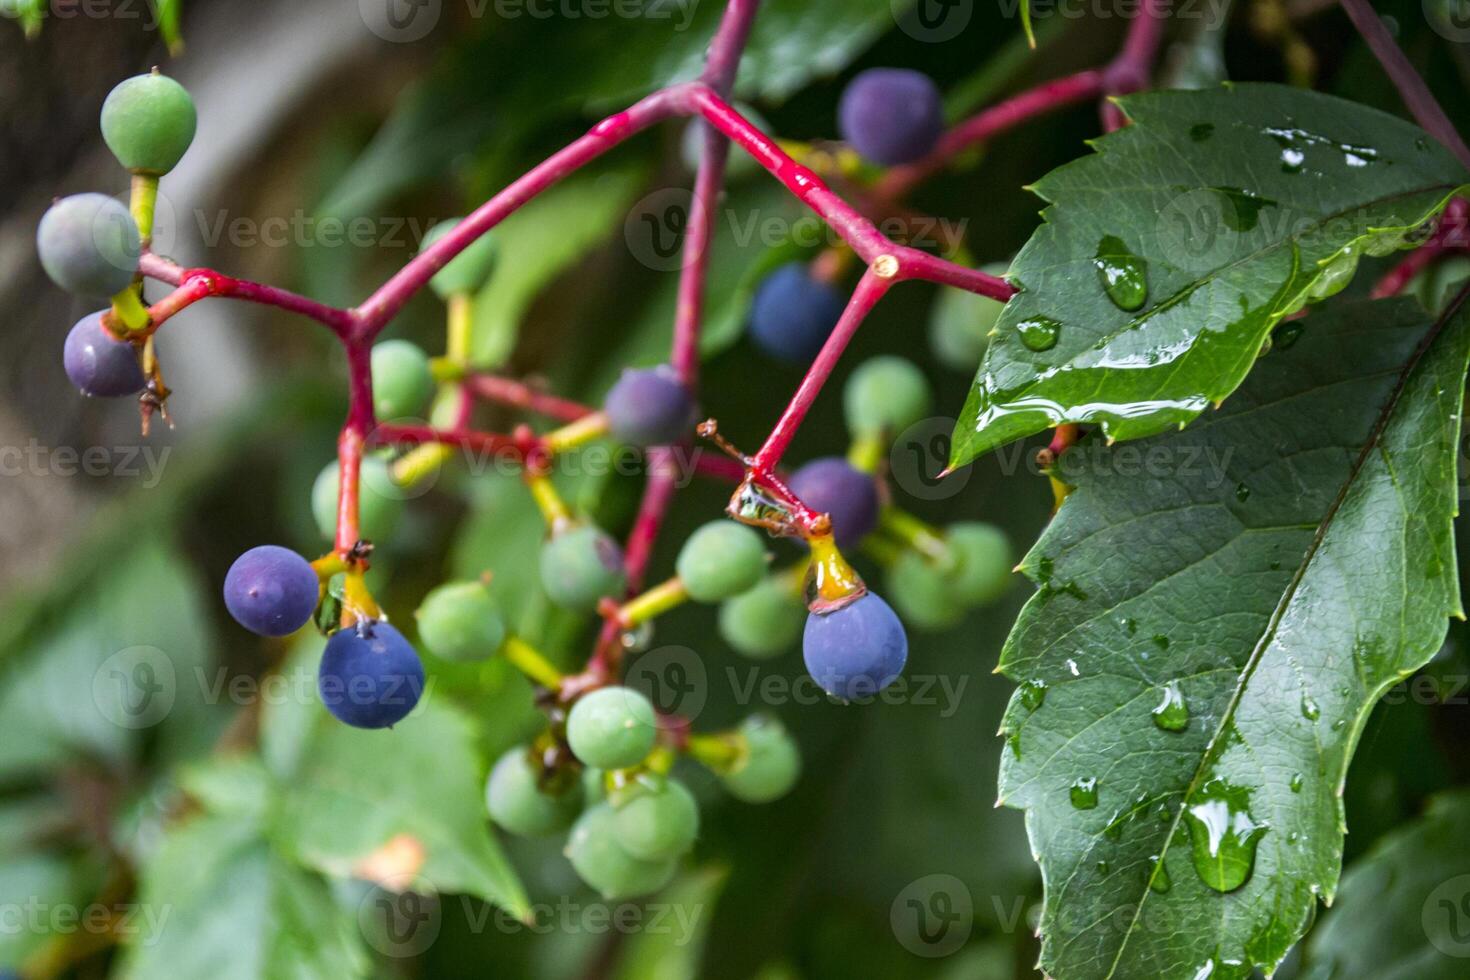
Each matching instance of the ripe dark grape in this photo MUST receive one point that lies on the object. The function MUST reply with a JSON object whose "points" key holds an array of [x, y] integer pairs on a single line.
{"points": [[370, 676], [891, 115], [792, 314], [581, 565], [271, 590], [601, 861], [612, 728], [148, 122], [720, 560], [89, 245], [857, 650], [770, 765], [650, 407], [98, 363], [518, 803], [833, 486]]}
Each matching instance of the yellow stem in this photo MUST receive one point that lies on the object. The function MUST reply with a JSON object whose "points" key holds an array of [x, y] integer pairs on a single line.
{"points": [[548, 501], [835, 579], [919, 535], [654, 603], [357, 602], [461, 327], [530, 661], [866, 453], [143, 203], [328, 565], [719, 752], [129, 312], [419, 462], [584, 430]]}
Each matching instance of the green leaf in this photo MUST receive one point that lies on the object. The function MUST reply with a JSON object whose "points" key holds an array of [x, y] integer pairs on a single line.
{"points": [[345, 793], [217, 902], [1238, 205], [1405, 907], [1219, 609]]}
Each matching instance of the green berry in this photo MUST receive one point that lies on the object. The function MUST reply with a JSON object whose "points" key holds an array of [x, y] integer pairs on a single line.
{"points": [[148, 122], [601, 861], [720, 560], [89, 244], [380, 500], [402, 382], [766, 620], [983, 562], [660, 820], [581, 565], [922, 592], [612, 728], [461, 621], [769, 766], [518, 803], [468, 270], [960, 324], [885, 395]]}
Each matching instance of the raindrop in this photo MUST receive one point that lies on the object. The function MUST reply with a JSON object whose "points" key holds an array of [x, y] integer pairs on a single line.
{"points": [[1033, 693], [1159, 880], [1242, 492], [1084, 793], [1172, 714], [1310, 709], [1124, 276], [1039, 333], [1296, 782], [1224, 836]]}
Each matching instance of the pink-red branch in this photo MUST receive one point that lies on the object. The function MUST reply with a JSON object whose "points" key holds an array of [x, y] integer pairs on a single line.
{"points": [[518, 394], [197, 284], [473, 440]]}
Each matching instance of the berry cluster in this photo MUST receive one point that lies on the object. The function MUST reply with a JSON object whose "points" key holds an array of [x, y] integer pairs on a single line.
{"points": [[601, 770]]}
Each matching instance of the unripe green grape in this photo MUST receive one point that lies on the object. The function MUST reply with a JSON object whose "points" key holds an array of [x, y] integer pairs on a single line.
{"points": [[921, 592], [581, 565], [380, 501], [764, 621], [885, 395], [612, 728], [89, 244], [461, 621], [720, 560], [148, 122], [467, 271], [983, 562], [402, 381], [960, 324], [770, 765], [659, 820], [602, 862], [516, 801]]}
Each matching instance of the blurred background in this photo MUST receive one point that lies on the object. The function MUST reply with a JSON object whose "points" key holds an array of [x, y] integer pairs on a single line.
{"points": [[226, 831]]}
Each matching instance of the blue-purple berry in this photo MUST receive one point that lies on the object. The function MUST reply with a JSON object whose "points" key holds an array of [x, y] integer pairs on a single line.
{"points": [[370, 676], [89, 245], [857, 650], [271, 590], [891, 115], [98, 363], [650, 407], [792, 313], [833, 486]]}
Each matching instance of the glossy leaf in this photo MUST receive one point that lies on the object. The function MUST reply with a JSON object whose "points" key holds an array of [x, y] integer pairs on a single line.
{"points": [[1271, 570], [1240, 204]]}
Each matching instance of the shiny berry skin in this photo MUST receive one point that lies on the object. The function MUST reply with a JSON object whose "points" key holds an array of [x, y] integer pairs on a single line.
{"points": [[148, 122], [461, 621], [467, 271], [960, 323], [857, 650], [770, 765], [379, 500], [884, 396], [891, 115], [792, 314], [581, 565], [98, 363], [833, 486], [658, 819], [764, 621], [600, 860], [984, 564], [370, 676], [402, 383], [720, 560], [611, 728], [519, 804], [89, 245], [922, 593], [650, 408], [271, 590]]}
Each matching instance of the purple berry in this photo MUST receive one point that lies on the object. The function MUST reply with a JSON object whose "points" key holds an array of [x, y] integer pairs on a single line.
{"points": [[271, 590], [891, 115], [370, 676], [857, 650], [650, 408], [98, 363], [792, 313], [833, 486]]}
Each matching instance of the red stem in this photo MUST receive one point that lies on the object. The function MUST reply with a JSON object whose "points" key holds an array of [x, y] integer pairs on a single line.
{"points": [[471, 439], [507, 391], [197, 284]]}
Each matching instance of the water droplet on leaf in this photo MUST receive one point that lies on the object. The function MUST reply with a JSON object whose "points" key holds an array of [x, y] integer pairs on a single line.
{"points": [[1039, 333], [1084, 793], [1124, 276], [1223, 835], [1033, 693], [1172, 714]]}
